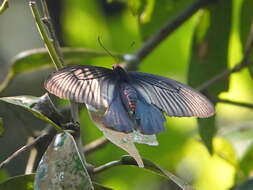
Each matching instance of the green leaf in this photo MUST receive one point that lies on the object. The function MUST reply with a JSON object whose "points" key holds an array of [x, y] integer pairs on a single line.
{"points": [[154, 14], [247, 185], [26, 182], [39, 58], [1, 127], [22, 182], [62, 166], [100, 187], [246, 21], [31, 103], [207, 130], [246, 162], [128, 160], [210, 57]]}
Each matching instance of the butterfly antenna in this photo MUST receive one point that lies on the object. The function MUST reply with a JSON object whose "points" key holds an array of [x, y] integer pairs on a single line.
{"points": [[101, 44]]}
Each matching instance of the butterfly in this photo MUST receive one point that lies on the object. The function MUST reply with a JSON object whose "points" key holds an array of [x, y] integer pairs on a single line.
{"points": [[128, 100]]}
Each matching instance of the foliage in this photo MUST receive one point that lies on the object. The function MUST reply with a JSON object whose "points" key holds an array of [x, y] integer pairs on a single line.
{"points": [[203, 47]]}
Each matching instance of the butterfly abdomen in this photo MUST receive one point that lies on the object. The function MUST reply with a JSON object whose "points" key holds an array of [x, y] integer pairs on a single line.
{"points": [[129, 97]]}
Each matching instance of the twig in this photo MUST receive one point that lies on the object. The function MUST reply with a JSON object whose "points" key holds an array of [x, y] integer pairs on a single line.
{"points": [[94, 145], [236, 103], [48, 21], [107, 166], [24, 148], [167, 29], [48, 42], [4, 6]]}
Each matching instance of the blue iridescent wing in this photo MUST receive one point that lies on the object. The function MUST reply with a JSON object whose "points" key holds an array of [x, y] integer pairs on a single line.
{"points": [[84, 84], [116, 116], [170, 96], [149, 118]]}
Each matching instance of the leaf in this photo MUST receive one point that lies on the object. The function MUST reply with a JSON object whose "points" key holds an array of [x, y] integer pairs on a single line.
{"points": [[209, 59], [154, 14], [122, 140], [1, 127], [39, 58], [246, 162], [127, 160], [31, 103], [207, 130], [246, 21], [100, 187], [247, 185], [22, 182], [62, 166], [26, 182]]}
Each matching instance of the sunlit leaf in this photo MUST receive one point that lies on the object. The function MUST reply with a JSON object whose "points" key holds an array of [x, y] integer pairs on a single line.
{"points": [[39, 58], [246, 21], [62, 166], [31, 103], [209, 59], [1, 127], [224, 149], [22, 182], [127, 160]]}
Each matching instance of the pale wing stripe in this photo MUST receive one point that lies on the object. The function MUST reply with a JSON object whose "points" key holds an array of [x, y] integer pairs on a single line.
{"points": [[183, 104], [164, 92]]}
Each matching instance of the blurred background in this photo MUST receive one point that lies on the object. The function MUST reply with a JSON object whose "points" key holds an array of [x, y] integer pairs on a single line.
{"points": [[122, 27]]}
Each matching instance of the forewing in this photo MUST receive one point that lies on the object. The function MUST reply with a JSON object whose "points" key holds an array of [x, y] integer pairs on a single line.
{"points": [[84, 84], [172, 97]]}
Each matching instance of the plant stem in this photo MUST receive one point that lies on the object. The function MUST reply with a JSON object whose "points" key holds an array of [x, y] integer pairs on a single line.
{"points": [[48, 42], [4, 6]]}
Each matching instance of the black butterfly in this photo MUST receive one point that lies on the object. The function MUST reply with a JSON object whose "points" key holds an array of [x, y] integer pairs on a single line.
{"points": [[130, 100]]}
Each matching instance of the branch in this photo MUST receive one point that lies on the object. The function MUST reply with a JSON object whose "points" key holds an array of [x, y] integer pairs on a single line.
{"points": [[4, 6], [43, 32], [107, 166], [238, 67], [95, 145], [236, 103], [167, 29], [27, 147]]}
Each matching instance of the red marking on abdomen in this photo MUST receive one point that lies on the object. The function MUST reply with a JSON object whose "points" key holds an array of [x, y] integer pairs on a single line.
{"points": [[129, 97]]}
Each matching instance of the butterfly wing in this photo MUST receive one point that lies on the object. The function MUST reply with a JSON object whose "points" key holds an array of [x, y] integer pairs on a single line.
{"points": [[172, 97], [84, 84], [116, 116], [150, 119]]}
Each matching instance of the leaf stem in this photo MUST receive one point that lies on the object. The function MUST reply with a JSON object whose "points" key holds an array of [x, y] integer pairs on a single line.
{"points": [[4, 6], [44, 35]]}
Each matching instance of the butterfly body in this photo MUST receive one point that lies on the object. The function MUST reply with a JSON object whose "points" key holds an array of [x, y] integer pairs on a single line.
{"points": [[129, 100]]}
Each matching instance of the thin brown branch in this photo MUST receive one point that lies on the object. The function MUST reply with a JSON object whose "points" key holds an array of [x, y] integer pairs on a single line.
{"points": [[236, 103], [25, 148], [95, 145], [167, 29]]}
